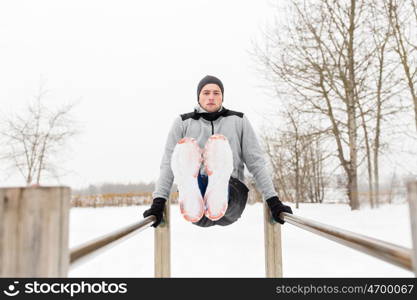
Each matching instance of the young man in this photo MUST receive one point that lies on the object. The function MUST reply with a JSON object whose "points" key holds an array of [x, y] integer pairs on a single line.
{"points": [[204, 154]]}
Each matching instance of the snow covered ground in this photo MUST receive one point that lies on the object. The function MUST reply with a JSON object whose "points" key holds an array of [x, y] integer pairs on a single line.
{"points": [[238, 250]]}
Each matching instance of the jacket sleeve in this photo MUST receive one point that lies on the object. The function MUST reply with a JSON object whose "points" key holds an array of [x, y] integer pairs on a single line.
{"points": [[254, 158], [166, 177]]}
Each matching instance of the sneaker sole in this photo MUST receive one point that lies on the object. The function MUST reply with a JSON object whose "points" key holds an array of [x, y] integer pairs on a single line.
{"points": [[218, 163], [185, 167]]}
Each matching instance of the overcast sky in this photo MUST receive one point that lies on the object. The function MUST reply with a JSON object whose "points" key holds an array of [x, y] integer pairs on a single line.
{"points": [[132, 66]]}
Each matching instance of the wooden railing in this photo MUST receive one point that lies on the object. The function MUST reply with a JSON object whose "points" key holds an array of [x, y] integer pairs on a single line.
{"points": [[400, 256], [391, 253], [34, 228], [92, 247], [161, 248]]}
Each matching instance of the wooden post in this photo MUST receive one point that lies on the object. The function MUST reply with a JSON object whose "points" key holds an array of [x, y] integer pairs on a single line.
{"points": [[273, 250], [163, 246], [412, 202], [34, 231]]}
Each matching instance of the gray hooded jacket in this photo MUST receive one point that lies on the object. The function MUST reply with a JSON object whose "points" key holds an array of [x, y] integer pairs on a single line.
{"points": [[243, 142]]}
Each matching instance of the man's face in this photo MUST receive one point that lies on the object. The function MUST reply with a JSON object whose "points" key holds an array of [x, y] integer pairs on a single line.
{"points": [[210, 97]]}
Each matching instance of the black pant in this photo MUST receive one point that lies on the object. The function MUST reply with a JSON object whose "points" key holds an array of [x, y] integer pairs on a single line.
{"points": [[238, 196]]}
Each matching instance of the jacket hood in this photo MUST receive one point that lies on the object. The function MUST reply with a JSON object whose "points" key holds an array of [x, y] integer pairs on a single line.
{"points": [[199, 109]]}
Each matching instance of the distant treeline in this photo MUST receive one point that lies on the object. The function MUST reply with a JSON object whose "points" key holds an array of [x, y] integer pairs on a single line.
{"points": [[392, 190], [119, 199], [118, 194]]}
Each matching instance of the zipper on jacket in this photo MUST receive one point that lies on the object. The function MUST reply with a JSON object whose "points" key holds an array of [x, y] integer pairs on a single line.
{"points": [[212, 127]]}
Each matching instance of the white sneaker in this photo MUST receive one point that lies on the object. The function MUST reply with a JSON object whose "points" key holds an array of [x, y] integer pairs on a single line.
{"points": [[218, 162], [185, 164]]}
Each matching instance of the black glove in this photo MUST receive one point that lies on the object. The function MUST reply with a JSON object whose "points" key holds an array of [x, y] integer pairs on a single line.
{"points": [[157, 210], [276, 207]]}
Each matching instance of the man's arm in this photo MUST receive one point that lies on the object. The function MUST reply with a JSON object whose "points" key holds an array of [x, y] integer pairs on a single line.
{"points": [[254, 158], [166, 177]]}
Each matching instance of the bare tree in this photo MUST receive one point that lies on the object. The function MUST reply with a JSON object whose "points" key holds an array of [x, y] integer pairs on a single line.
{"points": [[297, 160], [34, 138], [317, 178], [330, 62], [402, 15], [316, 62], [275, 146]]}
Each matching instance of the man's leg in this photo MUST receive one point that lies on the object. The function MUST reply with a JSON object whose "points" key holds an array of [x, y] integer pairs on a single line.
{"points": [[185, 163], [202, 183], [218, 162], [238, 195]]}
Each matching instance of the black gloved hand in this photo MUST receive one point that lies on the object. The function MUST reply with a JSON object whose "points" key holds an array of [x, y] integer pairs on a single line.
{"points": [[157, 210], [276, 207]]}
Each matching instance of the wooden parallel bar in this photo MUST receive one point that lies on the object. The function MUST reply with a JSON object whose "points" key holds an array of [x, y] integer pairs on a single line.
{"points": [[394, 254], [89, 248], [273, 245], [162, 248], [412, 204]]}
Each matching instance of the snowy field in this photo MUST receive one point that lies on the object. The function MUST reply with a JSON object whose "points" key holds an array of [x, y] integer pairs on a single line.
{"points": [[238, 250]]}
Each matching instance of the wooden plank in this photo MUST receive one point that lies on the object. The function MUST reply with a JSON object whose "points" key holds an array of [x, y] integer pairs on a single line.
{"points": [[163, 246], [34, 232], [412, 202], [273, 245]]}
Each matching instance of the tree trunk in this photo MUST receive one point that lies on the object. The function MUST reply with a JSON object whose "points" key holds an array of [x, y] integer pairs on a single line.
{"points": [[351, 102], [368, 158]]}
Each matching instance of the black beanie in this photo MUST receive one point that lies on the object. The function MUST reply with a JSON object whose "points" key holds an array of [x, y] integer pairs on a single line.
{"points": [[209, 79]]}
